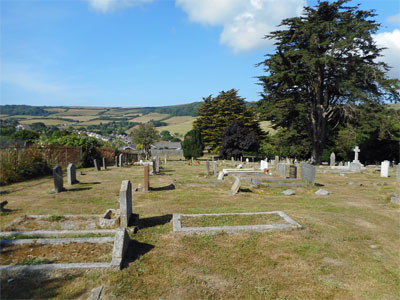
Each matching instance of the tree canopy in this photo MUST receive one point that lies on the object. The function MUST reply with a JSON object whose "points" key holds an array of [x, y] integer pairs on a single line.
{"points": [[215, 114], [326, 61], [145, 134], [193, 145]]}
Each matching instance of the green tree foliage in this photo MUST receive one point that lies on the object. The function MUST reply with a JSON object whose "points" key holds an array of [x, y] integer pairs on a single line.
{"points": [[166, 136], [238, 138], [193, 145], [26, 135], [174, 110], [215, 114], [145, 134], [325, 63], [23, 110]]}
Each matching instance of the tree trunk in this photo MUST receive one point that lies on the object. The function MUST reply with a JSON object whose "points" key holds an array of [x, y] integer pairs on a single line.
{"points": [[318, 138]]}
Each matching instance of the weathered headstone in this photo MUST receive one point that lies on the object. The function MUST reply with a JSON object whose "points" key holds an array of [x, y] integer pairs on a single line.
{"points": [[281, 170], [157, 164], [232, 158], [292, 171], [165, 158], [263, 165], [355, 167], [125, 202], [215, 168], [208, 167], [96, 165], [104, 163], [71, 174], [398, 173], [146, 179], [120, 159], [221, 175], [288, 192], [236, 186], [356, 151], [58, 179], [322, 192], [276, 159], [307, 172], [121, 243], [154, 168], [332, 159], [116, 161], [385, 168]]}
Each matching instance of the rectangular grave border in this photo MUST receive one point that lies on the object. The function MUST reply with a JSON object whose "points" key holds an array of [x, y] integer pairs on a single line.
{"points": [[177, 225]]}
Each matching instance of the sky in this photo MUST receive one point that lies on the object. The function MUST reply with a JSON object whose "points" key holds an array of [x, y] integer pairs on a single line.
{"points": [[136, 53]]}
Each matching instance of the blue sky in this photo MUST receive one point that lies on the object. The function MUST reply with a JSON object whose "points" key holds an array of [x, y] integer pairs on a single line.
{"points": [[147, 53]]}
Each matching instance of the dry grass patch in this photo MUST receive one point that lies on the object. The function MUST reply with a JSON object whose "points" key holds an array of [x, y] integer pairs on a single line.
{"points": [[148, 117]]}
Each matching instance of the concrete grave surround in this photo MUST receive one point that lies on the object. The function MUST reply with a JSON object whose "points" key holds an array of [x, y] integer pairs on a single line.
{"points": [[385, 168], [121, 243], [71, 174], [236, 186], [58, 179], [288, 224], [307, 172], [95, 293], [125, 202]]}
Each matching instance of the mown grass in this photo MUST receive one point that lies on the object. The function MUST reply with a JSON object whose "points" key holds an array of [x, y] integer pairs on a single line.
{"points": [[348, 247], [231, 220]]}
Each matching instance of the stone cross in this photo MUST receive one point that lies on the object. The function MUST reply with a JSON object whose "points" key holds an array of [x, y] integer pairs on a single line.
{"points": [[125, 202], [332, 159], [71, 174], [104, 163], [146, 179], [58, 179], [356, 151]]}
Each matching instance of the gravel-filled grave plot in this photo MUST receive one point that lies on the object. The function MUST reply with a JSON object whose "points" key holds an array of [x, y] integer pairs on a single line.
{"points": [[73, 252]]}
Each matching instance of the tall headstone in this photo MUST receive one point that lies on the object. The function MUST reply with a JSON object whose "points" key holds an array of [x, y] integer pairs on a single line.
{"points": [[104, 163], [120, 159], [281, 169], [165, 158], [332, 159], [71, 174], [125, 202], [232, 158], [116, 161], [58, 179], [157, 164], [292, 171], [208, 167], [146, 179], [96, 165], [236, 186], [215, 168], [121, 244], [356, 151], [263, 165], [154, 166], [276, 160], [398, 173], [307, 172], [385, 168]]}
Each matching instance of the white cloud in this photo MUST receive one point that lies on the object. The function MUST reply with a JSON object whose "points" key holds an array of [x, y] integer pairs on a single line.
{"points": [[395, 19], [244, 22], [105, 6], [391, 55]]}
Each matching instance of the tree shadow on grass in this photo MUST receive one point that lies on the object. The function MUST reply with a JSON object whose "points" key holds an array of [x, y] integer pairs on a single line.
{"points": [[78, 189], [154, 221], [95, 182], [135, 250], [37, 285], [163, 188]]}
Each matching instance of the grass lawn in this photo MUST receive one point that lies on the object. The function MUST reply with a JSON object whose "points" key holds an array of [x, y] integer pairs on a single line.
{"points": [[348, 247]]}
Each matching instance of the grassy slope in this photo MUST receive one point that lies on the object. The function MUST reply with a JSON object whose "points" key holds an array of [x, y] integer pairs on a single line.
{"points": [[348, 248]]}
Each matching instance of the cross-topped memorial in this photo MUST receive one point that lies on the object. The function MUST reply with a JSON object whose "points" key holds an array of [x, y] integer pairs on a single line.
{"points": [[356, 151]]}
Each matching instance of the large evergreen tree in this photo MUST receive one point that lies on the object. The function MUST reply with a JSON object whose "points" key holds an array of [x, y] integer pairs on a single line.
{"points": [[215, 114], [325, 62], [193, 145]]}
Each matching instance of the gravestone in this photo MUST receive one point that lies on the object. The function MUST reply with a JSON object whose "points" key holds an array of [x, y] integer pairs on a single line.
{"points": [[307, 172], [96, 165], [121, 243], [71, 174], [281, 170], [355, 167], [104, 163], [236, 186], [146, 179], [398, 173], [58, 179], [385, 168], [154, 167], [292, 171], [322, 192], [165, 158], [221, 175], [288, 192], [215, 168], [116, 161], [356, 151], [332, 159], [125, 202], [157, 164], [120, 159], [263, 165], [208, 167], [276, 159], [232, 159]]}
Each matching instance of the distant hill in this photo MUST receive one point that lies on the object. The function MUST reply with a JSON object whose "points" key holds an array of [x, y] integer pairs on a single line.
{"points": [[23, 110], [174, 110]]}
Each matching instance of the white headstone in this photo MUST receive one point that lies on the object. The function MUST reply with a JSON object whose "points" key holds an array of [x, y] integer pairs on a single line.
{"points": [[385, 168], [356, 151]]}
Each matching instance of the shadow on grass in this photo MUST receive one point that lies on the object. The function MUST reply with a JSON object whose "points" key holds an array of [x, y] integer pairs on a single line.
{"points": [[95, 182], [135, 250], [37, 285], [163, 188], [154, 221], [244, 190], [318, 184], [78, 189]]}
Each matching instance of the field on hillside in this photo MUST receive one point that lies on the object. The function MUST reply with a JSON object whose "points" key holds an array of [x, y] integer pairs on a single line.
{"points": [[348, 247]]}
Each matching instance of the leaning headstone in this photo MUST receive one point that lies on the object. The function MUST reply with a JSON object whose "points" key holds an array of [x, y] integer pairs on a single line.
{"points": [[208, 167], [322, 192], [121, 242], [125, 202], [332, 159], [71, 174], [281, 169], [288, 192], [146, 179], [292, 171], [221, 175], [120, 159], [95, 293], [96, 165], [307, 172], [116, 161], [385, 168], [215, 168], [104, 163], [58, 179], [236, 186]]}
